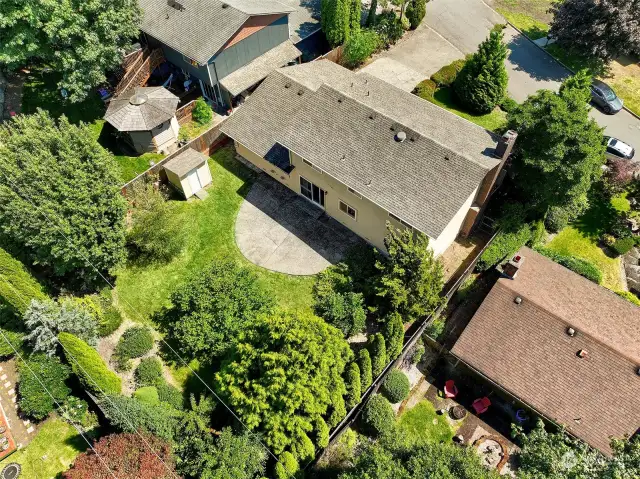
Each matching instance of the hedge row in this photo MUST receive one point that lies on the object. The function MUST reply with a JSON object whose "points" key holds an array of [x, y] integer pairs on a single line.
{"points": [[17, 287], [577, 265], [87, 364]]}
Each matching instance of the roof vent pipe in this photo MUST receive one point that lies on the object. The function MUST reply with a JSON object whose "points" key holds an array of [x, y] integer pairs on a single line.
{"points": [[518, 300], [571, 332], [582, 353], [401, 136]]}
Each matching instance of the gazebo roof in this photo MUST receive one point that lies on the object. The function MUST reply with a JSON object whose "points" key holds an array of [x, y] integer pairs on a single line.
{"points": [[141, 108]]}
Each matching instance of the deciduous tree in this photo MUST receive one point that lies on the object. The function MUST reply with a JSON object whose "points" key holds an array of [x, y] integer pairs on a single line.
{"points": [[560, 149], [283, 372], [410, 278], [82, 39], [482, 82], [605, 29], [60, 201], [126, 456], [211, 309]]}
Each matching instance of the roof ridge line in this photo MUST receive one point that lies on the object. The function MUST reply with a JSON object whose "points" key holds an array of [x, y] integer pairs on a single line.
{"points": [[582, 330]]}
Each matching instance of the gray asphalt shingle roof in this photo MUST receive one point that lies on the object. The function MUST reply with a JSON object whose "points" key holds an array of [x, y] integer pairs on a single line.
{"points": [[204, 26], [185, 162], [345, 124], [141, 108], [256, 70]]}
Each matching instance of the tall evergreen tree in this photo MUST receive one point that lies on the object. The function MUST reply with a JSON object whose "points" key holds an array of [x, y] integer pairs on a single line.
{"points": [[416, 10], [334, 20], [364, 362], [355, 17], [354, 387], [411, 277], [378, 352], [371, 17], [394, 336], [482, 82], [560, 149]]}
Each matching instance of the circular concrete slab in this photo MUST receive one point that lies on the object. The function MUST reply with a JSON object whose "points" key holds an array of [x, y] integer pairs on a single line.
{"points": [[280, 230]]}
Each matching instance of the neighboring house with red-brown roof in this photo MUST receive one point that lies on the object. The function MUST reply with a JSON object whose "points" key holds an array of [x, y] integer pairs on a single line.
{"points": [[562, 345]]}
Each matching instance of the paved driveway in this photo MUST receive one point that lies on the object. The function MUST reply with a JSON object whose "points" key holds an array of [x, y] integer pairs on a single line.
{"points": [[454, 28], [282, 231]]}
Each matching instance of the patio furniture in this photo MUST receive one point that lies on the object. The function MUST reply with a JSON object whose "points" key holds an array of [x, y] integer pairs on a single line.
{"points": [[481, 405], [450, 389]]}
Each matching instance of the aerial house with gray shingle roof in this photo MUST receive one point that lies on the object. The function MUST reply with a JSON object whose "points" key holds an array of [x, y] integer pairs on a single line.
{"points": [[367, 152], [227, 46]]}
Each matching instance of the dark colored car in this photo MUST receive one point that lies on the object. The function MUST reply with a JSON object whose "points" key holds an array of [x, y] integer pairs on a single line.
{"points": [[605, 98]]}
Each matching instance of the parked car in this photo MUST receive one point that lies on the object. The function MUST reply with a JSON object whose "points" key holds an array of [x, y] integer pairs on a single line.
{"points": [[604, 97], [618, 150]]}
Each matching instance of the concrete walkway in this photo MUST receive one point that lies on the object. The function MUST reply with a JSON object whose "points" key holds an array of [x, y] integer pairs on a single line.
{"points": [[284, 232]]}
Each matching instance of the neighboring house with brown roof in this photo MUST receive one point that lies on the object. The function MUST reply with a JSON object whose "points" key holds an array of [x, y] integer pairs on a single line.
{"points": [[227, 46], [367, 152], [567, 348]]}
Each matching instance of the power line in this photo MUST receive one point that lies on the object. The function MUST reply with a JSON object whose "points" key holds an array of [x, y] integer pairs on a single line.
{"points": [[185, 363]]}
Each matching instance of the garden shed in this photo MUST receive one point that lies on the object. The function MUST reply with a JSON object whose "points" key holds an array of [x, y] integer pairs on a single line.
{"points": [[148, 117], [188, 172]]}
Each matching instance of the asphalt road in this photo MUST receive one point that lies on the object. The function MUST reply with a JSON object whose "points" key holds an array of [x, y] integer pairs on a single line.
{"points": [[460, 25]]}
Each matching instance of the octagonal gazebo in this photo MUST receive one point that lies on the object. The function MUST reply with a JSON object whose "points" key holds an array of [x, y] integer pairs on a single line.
{"points": [[148, 116]]}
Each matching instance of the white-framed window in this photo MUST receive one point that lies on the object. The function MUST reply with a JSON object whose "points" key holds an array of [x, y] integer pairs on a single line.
{"points": [[348, 210], [354, 193]]}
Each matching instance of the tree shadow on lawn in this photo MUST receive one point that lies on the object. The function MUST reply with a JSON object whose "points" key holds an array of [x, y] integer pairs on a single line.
{"points": [[599, 217], [225, 157]]}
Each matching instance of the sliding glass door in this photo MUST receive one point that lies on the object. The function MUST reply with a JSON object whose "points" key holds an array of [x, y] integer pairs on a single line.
{"points": [[312, 192]]}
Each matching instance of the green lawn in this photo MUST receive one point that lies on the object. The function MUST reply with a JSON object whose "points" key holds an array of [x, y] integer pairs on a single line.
{"points": [[51, 452], [528, 25], [529, 16], [143, 290], [628, 88], [422, 423], [494, 121], [132, 166], [582, 236]]}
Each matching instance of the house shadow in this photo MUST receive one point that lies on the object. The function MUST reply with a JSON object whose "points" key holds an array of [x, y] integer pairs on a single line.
{"points": [[539, 66]]}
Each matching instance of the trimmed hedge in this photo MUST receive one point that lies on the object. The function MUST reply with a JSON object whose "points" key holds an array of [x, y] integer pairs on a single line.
{"points": [[35, 400], [17, 287], [88, 366], [425, 89], [148, 372], [396, 386], [147, 395], [364, 363], [415, 12], [445, 76], [378, 417], [505, 244], [623, 245], [577, 265], [508, 104], [629, 296], [170, 395]]}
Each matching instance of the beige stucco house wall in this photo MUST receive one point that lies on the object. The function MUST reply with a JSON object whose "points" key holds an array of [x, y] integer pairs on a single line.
{"points": [[371, 219]]}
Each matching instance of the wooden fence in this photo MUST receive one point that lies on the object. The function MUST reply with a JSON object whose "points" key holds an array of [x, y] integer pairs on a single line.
{"points": [[185, 113], [410, 340], [334, 55], [207, 143]]}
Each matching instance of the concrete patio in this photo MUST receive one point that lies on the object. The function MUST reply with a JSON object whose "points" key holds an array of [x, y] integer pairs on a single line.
{"points": [[280, 230]]}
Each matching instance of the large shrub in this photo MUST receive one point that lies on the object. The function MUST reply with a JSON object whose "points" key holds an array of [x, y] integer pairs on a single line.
{"points": [[623, 245], [45, 319], [445, 76], [416, 10], [148, 372], [64, 172], [482, 83], [389, 27], [17, 286], [557, 219], [134, 342], [170, 395], [88, 366], [147, 395], [201, 112], [425, 89], [514, 233], [359, 47], [130, 415], [577, 265], [393, 333], [345, 311], [213, 307], [378, 418], [110, 321], [42, 385], [396, 386], [354, 387]]}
